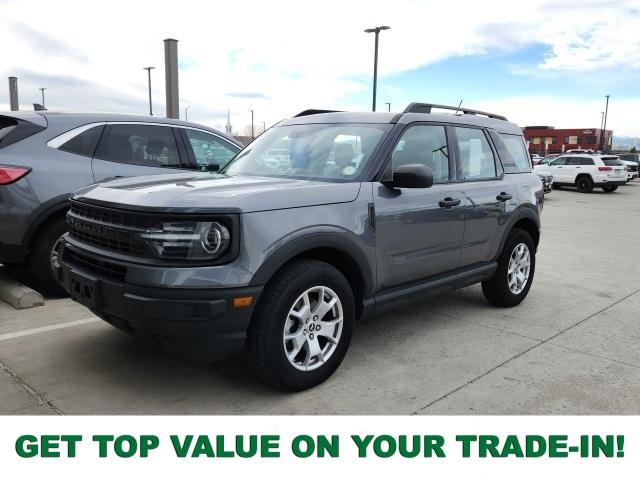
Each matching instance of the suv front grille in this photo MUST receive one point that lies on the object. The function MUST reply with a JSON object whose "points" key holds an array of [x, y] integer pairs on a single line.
{"points": [[99, 267], [108, 228]]}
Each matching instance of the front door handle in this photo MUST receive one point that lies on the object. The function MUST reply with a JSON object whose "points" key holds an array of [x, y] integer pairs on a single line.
{"points": [[504, 196], [449, 202]]}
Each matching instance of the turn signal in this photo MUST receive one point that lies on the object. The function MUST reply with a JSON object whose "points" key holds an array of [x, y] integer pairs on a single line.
{"points": [[240, 302]]}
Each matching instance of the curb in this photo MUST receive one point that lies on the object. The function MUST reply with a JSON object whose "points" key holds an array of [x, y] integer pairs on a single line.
{"points": [[17, 295]]}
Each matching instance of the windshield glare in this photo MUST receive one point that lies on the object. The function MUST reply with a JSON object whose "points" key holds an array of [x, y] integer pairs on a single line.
{"points": [[325, 152]]}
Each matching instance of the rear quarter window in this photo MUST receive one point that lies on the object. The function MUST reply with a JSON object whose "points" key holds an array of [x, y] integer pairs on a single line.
{"points": [[512, 151], [85, 143], [612, 162]]}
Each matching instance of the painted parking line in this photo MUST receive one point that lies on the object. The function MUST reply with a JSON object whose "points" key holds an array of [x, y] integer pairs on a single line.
{"points": [[34, 331]]}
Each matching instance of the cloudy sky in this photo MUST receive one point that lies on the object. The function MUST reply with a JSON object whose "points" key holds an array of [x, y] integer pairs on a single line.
{"points": [[537, 62]]}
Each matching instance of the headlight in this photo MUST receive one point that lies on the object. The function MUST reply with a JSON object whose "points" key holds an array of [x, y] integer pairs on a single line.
{"points": [[188, 240]]}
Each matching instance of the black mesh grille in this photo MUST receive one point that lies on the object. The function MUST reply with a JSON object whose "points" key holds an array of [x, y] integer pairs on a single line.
{"points": [[94, 265], [108, 228]]}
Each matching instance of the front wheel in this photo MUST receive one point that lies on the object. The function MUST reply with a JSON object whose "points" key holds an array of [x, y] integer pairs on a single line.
{"points": [[512, 280], [584, 184], [45, 259], [302, 327], [610, 188]]}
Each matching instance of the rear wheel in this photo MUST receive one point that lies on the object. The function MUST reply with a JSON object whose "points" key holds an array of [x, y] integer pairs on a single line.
{"points": [[302, 327], [610, 188], [511, 282], [584, 184], [44, 256]]}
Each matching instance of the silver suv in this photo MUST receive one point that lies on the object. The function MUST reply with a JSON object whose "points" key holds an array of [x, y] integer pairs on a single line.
{"points": [[45, 156], [326, 218]]}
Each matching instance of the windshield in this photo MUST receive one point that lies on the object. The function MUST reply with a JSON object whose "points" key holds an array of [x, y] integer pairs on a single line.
{"points": [[325, 152]]}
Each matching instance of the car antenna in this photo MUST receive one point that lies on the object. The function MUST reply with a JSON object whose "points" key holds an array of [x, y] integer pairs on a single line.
{"points": [[459, 105]]}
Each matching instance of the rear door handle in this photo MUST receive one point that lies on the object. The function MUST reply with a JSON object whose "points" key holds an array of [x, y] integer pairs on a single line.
{"points": [[449, 202], [504, 196]]}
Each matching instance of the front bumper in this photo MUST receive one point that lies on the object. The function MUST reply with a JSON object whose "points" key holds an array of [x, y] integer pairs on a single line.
{"points": [[200, 324]]}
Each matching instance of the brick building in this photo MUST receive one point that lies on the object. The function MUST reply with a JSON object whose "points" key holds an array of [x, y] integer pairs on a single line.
{"points": [[544, 140]]}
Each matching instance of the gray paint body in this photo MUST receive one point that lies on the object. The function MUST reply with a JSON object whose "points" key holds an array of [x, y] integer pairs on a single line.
{"points": [[414, 238], [27, 204]]}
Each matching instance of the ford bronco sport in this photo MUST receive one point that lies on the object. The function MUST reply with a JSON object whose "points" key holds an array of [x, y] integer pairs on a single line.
{"points": [[325, 219]]}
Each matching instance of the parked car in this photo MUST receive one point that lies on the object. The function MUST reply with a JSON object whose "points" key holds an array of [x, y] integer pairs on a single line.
{"points": [[535, 158], [631, 168], [586, 172], [371, 210], [547, 182], [45, 156], [630, 157]]}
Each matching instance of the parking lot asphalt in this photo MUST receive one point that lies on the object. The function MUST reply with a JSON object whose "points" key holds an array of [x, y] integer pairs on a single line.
{"points": [[572, 347]]}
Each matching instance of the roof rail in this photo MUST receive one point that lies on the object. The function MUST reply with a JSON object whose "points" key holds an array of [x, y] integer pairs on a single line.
{"points": [[426, 108], [314, 112]]}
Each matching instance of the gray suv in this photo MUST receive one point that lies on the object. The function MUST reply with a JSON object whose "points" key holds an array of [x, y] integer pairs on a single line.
{"points": [[45, 156], [325, 219]]}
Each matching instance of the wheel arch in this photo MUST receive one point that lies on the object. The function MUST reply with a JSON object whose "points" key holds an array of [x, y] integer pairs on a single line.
{"points": [[48, 212], [337, 250], [528, 220]]}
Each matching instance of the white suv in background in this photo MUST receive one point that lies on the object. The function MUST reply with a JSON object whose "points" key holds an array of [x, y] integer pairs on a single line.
{"points": [[631, 168], [585, 171]]}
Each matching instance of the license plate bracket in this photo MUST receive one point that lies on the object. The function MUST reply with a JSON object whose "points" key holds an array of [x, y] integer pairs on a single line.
{"points": [[85, 289]]}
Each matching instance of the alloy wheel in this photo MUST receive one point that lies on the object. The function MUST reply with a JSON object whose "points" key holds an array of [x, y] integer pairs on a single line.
{"points": [[313, 328], [519, 268]]}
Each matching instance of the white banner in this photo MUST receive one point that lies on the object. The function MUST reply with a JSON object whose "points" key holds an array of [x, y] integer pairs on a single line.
{"points": [[319, 447]]}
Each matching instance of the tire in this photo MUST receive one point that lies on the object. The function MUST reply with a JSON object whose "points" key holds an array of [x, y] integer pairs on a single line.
{"points": [[584, 184], [497, 290], [41, 256], [267, 350], [610, 188]]}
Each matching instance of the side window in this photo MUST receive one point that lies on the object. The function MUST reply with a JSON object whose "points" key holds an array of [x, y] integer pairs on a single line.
{"points": [[84, 143], [517, 150], [587, 161], [574, 161], [210, 150], [426, 144], [148, 145], [476, 156], [558, 161]]}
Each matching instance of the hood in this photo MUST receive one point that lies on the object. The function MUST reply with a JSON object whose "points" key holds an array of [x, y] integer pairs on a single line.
{"points": [[207, 191]]}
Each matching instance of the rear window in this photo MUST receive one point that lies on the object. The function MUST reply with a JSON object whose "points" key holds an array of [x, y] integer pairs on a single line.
{"points": [[13, 130], [612, 162], [85, 143], [518, 151]]}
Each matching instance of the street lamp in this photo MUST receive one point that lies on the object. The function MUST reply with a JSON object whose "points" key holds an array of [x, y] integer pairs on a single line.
{"points": [[388, 106], [604, 126], [375, 30], [148, 69], [186, 113], [42, 89], [252, 131]]}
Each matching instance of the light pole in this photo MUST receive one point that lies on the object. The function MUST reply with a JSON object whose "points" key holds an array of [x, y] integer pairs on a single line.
{"points": [[42, 89], [186, 113], [604, 126], [601, 128], [148, 69], [375, 30], [253, 135], [388, 106], [264, 126]]}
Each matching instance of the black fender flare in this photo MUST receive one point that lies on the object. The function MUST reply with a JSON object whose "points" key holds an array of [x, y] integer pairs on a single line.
{"points": [[525, 212], [309, 241]]}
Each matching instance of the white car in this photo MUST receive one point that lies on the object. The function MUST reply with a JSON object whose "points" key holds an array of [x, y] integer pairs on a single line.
{"points": [[586, 172], [631, 169]]}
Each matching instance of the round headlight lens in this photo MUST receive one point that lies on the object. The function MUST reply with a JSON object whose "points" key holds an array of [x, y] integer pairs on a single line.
{"points": [[216, 239]]}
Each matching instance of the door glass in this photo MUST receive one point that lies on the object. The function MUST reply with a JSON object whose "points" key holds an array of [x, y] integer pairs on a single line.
{"points": [[476, 155], [85, 143], [210, 150], [558, 162], [425, 144], [147, 145]]}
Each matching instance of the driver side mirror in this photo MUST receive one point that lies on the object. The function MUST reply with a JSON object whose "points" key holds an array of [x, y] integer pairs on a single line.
{"points": [[412, 175]]}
